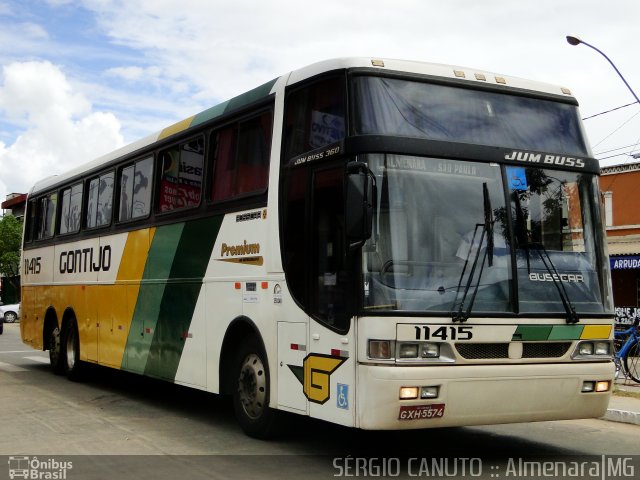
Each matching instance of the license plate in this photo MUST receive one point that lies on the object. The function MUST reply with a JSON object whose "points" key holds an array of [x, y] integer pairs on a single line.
{"points": [[421, 412]]}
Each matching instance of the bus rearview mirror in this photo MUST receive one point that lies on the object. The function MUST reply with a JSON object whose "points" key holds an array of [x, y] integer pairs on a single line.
{"points": [[359, 206]]}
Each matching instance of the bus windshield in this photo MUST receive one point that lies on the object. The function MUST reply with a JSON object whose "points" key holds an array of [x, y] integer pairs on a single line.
{"points": [[406, 108], [447, 236]]}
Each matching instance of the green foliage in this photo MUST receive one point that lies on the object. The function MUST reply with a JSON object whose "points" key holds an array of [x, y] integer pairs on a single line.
{"points": [[10, 242]]}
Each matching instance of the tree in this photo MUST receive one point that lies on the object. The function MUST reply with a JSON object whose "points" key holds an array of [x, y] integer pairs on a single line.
{"points": [[10, 242]]}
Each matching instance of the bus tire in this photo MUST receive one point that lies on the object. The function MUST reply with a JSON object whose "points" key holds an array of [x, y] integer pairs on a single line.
{"points": [[55, 353], [251, 392], [70, 351]]}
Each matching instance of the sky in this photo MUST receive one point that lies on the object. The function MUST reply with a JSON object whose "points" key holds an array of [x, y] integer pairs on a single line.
{"points": [[80, 78]]}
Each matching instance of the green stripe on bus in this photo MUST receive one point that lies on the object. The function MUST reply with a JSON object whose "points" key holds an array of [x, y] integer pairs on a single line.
{"points": [[152, 287], [235, 103], [532, 333], [178, 302], [566, 332]]}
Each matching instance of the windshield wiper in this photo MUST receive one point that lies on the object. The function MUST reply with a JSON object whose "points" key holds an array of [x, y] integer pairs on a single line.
{"points": [[523, 240], [572, 316], [487, 230]]}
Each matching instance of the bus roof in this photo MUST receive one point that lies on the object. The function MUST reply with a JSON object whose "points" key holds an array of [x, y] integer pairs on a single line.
{"points": [[456, 73]]}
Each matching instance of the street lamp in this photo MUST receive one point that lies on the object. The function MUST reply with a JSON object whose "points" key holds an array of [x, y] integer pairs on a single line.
{"points": [[576, 41]]}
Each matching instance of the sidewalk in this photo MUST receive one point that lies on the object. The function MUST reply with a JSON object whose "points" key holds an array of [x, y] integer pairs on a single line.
{"points": [[622, 408]]}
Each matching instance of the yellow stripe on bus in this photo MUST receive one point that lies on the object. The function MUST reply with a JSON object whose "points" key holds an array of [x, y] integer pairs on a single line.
{"points": [[595, 331], [135, 254], [176, 127], [117, 303]]}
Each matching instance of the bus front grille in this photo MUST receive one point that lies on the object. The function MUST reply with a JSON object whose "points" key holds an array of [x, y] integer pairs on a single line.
{"points": [[483, 351], [491, 351], [545, 349]]}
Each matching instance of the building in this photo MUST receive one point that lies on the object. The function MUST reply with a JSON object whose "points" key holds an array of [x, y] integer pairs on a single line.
{"points": [[15, 204], [620, 186]]}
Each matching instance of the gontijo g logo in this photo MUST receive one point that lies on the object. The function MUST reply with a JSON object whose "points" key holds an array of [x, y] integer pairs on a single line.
{"points": [[314, 375]]}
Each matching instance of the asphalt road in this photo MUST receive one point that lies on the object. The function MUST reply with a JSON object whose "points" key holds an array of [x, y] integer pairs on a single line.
{"points": [[117, 425]]}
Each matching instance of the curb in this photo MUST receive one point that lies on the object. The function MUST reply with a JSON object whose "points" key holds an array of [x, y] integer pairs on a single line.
{"points": [[623, 416]]}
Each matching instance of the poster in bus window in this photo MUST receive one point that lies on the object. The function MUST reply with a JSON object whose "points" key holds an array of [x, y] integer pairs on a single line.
{"points": [[181, 181], [325, 129]]}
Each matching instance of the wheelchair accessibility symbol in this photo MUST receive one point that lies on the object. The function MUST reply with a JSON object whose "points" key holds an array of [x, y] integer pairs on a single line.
{"points": [[343, 396], [517, 177]]}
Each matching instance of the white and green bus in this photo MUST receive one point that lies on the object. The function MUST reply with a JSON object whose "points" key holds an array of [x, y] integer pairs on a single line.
{"points": [[381, 244]]}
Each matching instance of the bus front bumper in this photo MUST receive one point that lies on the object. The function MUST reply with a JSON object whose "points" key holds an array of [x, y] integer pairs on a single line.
{"points": [[480, 394]]}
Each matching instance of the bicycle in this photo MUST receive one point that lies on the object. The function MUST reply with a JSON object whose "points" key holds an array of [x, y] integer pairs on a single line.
{"points": [[627, 352]]}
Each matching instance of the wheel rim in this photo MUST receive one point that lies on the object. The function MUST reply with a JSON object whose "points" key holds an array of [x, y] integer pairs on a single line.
{"points": [[632, 362], [71, 349], [10, 317], [252, 386]]}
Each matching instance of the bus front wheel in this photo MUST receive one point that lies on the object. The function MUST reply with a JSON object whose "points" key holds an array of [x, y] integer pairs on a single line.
{"points": [[251, 392], [55, 356]]}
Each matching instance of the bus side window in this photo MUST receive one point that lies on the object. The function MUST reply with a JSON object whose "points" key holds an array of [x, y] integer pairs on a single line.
{"points": [[135, 190], [70, 209], [29, 219], [315, 117], [46, 216], [181, 176], [100, 201], [105, 199], [241, 158]]}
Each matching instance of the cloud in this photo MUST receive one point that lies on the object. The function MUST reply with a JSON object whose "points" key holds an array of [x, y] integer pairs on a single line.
{"points": [[134, 73], [59, 130]]}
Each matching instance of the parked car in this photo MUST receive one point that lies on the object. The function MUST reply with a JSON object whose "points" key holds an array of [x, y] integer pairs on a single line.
{"points": [[10, 313]]}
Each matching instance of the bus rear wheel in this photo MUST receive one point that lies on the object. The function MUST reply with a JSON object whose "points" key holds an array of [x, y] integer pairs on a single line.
{"points": [[251, 392], [70, 351]]}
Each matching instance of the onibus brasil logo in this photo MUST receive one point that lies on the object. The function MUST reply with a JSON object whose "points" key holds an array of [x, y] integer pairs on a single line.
{"points": [[36, 469]]}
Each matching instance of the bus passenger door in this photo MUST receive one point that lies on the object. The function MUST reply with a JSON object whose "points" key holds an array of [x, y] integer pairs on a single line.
{"points": [[330, 363], [321, 276]]}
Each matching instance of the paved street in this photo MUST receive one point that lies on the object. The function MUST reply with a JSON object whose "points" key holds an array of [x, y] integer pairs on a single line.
{"points": [[120, 414]]}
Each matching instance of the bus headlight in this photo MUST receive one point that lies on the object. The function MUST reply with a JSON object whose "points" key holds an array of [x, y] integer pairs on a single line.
{"points": [[408, 350], [602, 348], [430, 350], [592, 350], [586, 348]]}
